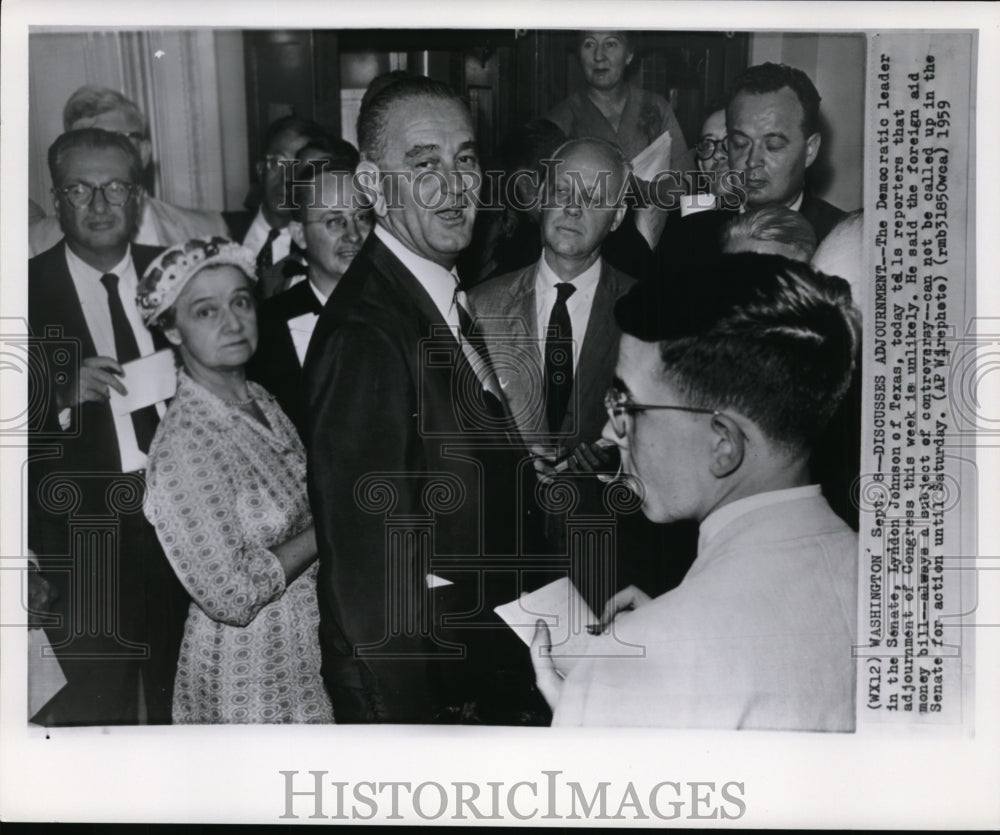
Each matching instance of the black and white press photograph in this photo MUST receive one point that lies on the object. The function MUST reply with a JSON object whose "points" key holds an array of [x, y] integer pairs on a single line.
{"points": [[498, 417]]}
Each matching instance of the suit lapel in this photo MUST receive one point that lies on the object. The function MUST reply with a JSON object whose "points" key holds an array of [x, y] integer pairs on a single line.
{"points": [[520, 383], [598, 355]]}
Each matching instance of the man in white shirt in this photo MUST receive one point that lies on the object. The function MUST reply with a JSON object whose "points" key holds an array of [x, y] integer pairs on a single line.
{"points": [[726, 377], [268, 234], [159, 223], [330, 225], [122, 607], [414, 479]]}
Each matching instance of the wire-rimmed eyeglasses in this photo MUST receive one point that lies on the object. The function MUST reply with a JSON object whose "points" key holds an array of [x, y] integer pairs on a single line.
{"points": [[618, 405], [81, 195]]}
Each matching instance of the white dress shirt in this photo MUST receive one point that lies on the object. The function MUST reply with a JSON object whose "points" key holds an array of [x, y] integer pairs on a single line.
{"points": [[256, 237], [718, 519], [301, 327], [578, 305], [94, 301]]}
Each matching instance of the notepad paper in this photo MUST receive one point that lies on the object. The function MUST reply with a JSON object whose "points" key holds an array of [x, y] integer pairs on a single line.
{"points": [[654, 158], [148, 379], [567, 614]]}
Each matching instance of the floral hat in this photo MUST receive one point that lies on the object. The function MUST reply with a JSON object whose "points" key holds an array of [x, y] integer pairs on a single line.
{"points": [[173, 268]]}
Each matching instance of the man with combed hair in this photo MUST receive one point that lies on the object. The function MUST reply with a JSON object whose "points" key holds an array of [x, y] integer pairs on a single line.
{"points": [[725, 379], [770, 230], [160, 224], [414, 482], [122, 607]]}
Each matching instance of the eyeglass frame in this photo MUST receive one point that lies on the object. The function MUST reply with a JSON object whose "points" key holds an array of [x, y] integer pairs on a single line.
{"points": [[716, 144], [63, 191], [354, 216], [617, 407]]}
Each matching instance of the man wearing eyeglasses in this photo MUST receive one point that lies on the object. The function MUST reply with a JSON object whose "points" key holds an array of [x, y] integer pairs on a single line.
{"points": [[159, 223], [330, 223], [266, 233], [725, 379], [122, 608]]}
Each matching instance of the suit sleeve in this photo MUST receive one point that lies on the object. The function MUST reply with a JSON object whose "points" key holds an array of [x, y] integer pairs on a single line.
{"points": [[365, 458]]}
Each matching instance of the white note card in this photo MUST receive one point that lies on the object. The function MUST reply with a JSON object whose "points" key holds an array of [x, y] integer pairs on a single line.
{"points": [[148, 379]]}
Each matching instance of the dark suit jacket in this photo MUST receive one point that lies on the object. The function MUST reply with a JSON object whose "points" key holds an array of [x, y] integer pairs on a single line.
{"points": [[75, 476], [275, 365], [408, 476], [822, 215]]}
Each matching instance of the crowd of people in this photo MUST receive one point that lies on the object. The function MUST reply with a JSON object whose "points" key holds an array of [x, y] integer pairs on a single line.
{"points": [[385, 379]]}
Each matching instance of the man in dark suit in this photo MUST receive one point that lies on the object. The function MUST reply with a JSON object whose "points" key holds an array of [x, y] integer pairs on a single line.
{"points": [[415, 472], [772, 122], [122, 610], [266, 232], [329, 226]]}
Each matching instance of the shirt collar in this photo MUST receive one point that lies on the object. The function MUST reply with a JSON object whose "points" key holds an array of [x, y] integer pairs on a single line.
{"points": [[724, 516], [584, 282], [77, 266], [318, 293], [795, 206], [439, 282]]}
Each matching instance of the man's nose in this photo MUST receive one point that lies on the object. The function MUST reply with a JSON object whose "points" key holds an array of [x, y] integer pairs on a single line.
{"points": [[99, 203], [353, 232], [755, 157]]}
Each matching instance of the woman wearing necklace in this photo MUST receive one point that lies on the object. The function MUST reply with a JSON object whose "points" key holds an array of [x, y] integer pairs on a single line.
{"points": [[226, 493], [611, 108]]}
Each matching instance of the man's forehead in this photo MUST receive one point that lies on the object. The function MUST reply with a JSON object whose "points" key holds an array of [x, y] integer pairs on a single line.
{"points": [[778, 111], [424, 118], [90, 162], [335, 191], [639, 367], [587, 165]]}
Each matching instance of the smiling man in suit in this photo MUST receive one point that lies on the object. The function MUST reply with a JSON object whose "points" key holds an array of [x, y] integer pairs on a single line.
{"points": [[415, 470], [330, 225], [119, 619]]}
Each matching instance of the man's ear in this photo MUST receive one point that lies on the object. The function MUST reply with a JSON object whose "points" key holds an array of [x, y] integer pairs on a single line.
{"points": [[145, 152], [298, 233], [369, 183], [173, 336], [728, 446], [812, 148], [619, 217]]}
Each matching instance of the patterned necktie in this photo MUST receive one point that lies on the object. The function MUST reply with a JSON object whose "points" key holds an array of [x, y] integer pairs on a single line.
{"points": [[144, 420], [265, 258], [474, 338], [559, 358]]}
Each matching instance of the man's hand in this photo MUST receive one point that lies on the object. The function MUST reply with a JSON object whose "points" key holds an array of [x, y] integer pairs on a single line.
{"points": [[98, 375], [627, 599], [547, 678]]}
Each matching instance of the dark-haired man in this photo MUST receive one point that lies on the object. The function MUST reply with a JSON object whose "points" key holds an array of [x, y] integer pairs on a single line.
{"points": [[772, 121], [413, 480], [725, 379], [266, 233], [159, 223], [122, 608], [329, 225]]}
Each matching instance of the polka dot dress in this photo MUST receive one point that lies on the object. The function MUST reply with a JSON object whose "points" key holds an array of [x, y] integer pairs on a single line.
{"points": [[222, 489]]}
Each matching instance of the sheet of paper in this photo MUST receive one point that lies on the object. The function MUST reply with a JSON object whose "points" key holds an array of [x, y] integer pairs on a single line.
{"points": [[45, 675], [567, 614], [653, 158], [149, 380]]}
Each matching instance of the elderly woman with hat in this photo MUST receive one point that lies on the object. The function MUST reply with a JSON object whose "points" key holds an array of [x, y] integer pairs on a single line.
{"points": [[226, 494]]}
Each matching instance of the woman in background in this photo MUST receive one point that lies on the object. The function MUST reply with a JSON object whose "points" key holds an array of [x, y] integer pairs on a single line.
{"points": [[610, 107], [226, 494]]}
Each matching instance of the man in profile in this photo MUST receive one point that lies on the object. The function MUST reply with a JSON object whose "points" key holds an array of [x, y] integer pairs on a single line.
{"points": [[160, 223], [414, 483], [726, 378]]}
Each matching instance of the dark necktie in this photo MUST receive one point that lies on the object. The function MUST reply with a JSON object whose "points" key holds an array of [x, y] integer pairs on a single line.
{"points": [[265, 258], [127, 349], [559, 358]]}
